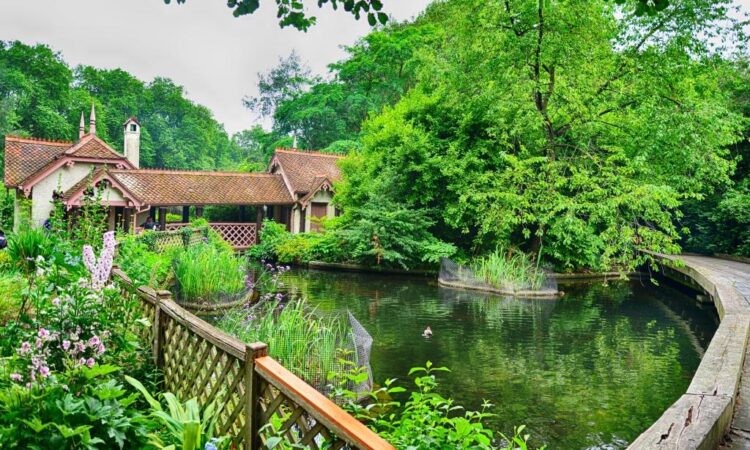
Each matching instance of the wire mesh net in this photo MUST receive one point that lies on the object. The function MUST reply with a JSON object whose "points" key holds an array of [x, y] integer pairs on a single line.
{"points": [[456, 275]]}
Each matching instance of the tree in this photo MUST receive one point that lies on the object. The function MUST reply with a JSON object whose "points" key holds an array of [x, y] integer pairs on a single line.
{"points": [[288, 80], [573, 130], [292, 12]]}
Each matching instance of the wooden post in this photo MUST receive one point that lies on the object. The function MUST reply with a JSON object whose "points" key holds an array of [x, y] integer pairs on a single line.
{"points": [[252, 388], [161, 296], [198, 211], [127, 219], [185, 214], [162, 219], [258, 222]]}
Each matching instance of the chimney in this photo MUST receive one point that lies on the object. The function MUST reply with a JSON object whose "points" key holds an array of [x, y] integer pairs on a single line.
{"points": [[92, 121], [132, 146], [81, 131]]}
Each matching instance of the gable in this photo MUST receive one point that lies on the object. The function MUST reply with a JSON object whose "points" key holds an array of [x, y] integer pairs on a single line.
{"points": [[24, 157], [304, 170]]}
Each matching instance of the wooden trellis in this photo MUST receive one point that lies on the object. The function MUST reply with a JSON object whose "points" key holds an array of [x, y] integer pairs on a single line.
{"points": [[251, 389], [240, 236]]}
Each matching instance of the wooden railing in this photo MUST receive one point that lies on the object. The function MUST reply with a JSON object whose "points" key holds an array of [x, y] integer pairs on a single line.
{"points": [[251, 389], [241, 236]]}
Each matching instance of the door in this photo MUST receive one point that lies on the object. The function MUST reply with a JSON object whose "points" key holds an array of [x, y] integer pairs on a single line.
{"points": [[317, 212]]}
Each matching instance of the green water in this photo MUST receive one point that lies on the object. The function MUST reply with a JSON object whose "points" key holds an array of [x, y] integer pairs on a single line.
{"points": [[591, 370]]}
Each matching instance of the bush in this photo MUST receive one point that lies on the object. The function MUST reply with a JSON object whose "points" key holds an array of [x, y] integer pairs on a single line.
{"points": [[426, 420], [298, 248], [204, 273], [143, 266], [271, 236]]}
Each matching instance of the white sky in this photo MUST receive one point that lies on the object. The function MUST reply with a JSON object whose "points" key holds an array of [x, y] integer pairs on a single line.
{"points": [[200, 44]]}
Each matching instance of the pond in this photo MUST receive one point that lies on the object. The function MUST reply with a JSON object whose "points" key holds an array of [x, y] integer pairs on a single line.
{"points": [[591, 370]]}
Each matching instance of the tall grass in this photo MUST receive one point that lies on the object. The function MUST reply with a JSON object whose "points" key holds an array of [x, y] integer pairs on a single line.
{"points": [[28, 244], [305, 343], [205, 273], [509, 270]]}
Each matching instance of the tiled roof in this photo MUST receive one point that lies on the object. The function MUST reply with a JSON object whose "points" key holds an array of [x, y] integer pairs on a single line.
{"points": [[24, 157], [303, 168], [168, 187], [90, 146]]}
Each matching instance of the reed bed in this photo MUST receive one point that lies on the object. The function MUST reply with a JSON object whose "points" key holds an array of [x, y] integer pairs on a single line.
{"points": [[304, 342], [205, 273], [509, 270]]}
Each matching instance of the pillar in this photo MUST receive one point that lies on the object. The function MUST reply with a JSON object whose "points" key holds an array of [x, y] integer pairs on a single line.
{"points": [[185, 214], [127, 219], [162, 219]]}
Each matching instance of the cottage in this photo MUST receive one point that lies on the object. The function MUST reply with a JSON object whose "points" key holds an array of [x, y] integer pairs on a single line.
{"points": [[297, 188]]}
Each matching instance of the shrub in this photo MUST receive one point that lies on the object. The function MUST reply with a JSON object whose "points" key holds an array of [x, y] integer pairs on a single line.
{"points": [[297, 248], [271, 236], [426, 419], [204, 273]]}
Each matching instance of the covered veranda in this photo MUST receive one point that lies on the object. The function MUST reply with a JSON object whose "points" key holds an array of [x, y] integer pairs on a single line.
{"points": [[135, 195]]}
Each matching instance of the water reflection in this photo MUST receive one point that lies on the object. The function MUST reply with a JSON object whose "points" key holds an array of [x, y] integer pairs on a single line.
{"points": [[590, 370]]}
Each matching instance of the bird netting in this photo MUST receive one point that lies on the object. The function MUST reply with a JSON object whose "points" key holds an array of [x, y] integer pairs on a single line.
{"points": [[455, 275]]}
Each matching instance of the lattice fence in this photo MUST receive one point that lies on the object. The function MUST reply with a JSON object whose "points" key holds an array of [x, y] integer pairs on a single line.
{"points": [[160, 241], [250, 388], [240, 235]]}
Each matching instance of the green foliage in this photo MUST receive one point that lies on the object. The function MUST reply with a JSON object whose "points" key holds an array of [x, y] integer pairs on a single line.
{"points": [[294, 13], [27, 245], [298, 248], [187, 427], [205, 273], [582, 147], [508, 269], [304, 342], [426, 420], [141, 264], [271, 235], [382, 232], [85, 408], [41, 96]]}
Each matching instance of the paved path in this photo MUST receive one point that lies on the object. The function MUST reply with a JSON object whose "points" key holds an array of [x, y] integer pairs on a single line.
{"points": [[736, 274]]}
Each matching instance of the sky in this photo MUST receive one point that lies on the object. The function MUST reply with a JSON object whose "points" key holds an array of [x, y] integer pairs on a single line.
{"points": [[199, 44]]}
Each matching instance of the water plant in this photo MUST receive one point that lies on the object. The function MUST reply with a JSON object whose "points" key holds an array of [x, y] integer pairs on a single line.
{"points": [[304, 342], [509, 269], [205, 273]]}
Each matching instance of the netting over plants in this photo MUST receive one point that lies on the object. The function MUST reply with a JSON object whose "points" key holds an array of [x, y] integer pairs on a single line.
{"points": [[541, 284]]}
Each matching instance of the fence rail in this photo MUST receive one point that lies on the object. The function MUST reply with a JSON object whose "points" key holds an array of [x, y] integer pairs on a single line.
{"points": [[251, 389]]}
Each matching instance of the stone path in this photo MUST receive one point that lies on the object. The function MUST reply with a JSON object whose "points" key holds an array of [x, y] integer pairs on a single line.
{"points": [[736, 274]]}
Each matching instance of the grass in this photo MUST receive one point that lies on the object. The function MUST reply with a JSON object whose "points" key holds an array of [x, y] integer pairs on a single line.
{"points": [[205, 273], [26, 245], [509, 270], [305, 343], [11, 286]]}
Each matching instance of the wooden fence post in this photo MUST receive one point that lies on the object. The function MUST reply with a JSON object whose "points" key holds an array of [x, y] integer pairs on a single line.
{"points": [[252, 388], [161, 296]]}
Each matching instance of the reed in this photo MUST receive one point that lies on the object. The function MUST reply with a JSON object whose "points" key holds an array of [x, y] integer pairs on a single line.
{"points": [[205, 273], [304, 342], [509, 270]]}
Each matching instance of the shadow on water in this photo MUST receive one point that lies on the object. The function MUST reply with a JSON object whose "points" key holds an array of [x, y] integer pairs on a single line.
{"points": [[590, 370]]}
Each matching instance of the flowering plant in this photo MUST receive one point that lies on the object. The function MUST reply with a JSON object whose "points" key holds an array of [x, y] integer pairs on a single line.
{"points": [[99, 269]]}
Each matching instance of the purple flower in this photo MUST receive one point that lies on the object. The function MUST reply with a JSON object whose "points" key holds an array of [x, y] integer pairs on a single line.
{"points": [[100, 349], [94, 341], [90, 362], [66, 345], [16, 377], [44, 371], [43, 333], [82, 361]]}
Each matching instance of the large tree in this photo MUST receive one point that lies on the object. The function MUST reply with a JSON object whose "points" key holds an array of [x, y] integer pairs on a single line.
{"points": [[571, 129]]}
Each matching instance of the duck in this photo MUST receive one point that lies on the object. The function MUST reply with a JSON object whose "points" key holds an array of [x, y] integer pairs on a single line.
{"points": [[427, 332]]}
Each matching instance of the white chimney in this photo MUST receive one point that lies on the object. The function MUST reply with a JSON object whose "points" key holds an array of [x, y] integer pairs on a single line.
{"points": [[132, 145]]}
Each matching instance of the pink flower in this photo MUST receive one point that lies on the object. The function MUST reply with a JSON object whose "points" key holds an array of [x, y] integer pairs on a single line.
{"points": [[100, 349], [43, 333], [94, 341], [56, 301], [16, 377], [82, 361], [38, 343], [90, 362], [44, 371], [66, 345], [25, 348]]}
